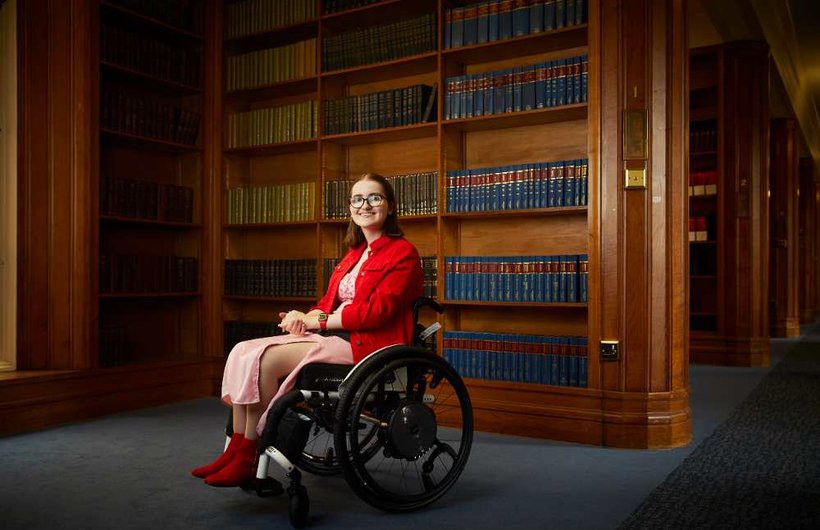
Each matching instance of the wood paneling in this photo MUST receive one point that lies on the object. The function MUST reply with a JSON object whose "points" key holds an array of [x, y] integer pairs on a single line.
{"points": [[783, 280], [807, 240]]}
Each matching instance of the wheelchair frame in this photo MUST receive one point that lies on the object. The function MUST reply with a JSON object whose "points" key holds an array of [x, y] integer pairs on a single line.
{"points": [[391, 401]]}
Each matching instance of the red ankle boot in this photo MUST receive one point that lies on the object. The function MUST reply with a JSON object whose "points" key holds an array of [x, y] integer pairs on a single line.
{"points": [[223, 460], [240, 469]]}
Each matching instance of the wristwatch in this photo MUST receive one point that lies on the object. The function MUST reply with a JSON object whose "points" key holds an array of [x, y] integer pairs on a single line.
{"points": [[322, 318]]}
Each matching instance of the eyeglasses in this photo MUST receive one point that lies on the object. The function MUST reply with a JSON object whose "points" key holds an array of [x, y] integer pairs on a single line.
{"points": [[374, 199]]}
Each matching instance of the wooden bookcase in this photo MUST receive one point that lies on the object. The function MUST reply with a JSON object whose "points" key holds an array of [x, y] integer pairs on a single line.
{"points": [[150, 183], [705, 171], [439, 145]]}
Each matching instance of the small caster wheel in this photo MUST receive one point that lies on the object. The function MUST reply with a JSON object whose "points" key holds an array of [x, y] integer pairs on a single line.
{"points": [[298, 506]]}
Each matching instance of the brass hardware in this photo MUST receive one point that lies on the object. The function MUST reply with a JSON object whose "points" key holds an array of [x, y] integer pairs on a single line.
{"points": [[635, 179]]}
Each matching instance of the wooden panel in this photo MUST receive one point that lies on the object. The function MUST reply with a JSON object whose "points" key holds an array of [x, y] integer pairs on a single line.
{"points": [[537, 143], [807, 235], [523, 236], [296, 242], [393, 158]]}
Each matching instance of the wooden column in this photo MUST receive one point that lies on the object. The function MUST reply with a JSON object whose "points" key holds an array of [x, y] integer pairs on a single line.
{"points": [[742, 337], [783, 280], [57, 319], [639, 299], [807, 240]]}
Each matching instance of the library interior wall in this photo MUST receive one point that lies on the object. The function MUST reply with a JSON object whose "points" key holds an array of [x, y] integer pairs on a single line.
{"points": [[8, 186]]}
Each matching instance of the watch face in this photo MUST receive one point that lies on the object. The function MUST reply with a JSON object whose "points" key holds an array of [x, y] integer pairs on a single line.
{"points": [[322, 317]]}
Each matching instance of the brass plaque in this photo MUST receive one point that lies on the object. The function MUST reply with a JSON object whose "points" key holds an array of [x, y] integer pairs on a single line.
{"points": [[635, 135], [635, 179]]}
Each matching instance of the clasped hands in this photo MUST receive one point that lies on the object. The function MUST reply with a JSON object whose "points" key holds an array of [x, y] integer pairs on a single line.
{"points": [[298, 323]]}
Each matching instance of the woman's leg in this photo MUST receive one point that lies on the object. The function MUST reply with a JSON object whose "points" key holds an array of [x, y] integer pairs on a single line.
{"points": [[276, 364]]}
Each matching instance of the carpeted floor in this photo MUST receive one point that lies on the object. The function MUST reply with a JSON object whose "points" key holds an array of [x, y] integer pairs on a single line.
{"points": [[760, 468], [131, 471]]}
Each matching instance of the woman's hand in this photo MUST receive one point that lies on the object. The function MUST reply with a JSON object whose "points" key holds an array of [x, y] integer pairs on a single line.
{"points": [[293, 322]]}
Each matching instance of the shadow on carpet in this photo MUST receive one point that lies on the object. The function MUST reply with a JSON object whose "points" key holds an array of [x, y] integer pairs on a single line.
{"points": [[760, 468]]}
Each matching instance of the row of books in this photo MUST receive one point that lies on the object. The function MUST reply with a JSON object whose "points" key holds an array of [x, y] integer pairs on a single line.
{"points": [[270, 277], [250, 17], [378, 110], [698, 229], [271, 65], [236, 331], [702, 139], [415, 195], [527, 87], [271, 204], [493, 20], [151, 57], [703, 182], [547, 279], [272, 125], [142, 199], [139, 273], [183, 14], [429, 269], [561, 361], [112, 346], [148, 118], [335, 6], [518, 186], [381, 43]]}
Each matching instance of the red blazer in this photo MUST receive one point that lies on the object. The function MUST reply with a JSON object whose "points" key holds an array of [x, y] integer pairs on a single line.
{"points": [[381, 312]]}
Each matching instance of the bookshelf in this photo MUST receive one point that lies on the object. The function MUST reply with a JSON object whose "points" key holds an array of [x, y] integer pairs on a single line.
{"points": [[705, 162], [353, 134], [150, 183]]}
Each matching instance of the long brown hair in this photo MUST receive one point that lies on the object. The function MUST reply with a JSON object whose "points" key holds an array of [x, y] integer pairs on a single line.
{"points": [[355, 236]]}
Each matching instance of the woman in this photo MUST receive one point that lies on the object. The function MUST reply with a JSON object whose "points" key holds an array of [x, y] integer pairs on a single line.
{"points": [[369, 296]]}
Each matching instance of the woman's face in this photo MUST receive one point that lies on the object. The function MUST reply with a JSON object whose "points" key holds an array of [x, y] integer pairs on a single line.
{"points": [[368, 205]]}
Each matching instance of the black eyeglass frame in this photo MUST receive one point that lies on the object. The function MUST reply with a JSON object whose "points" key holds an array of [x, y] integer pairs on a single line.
{"points": [[373, 199]]}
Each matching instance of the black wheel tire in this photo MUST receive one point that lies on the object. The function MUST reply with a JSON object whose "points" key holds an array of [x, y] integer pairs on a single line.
{"points": [[362, 377], [298, 506]]}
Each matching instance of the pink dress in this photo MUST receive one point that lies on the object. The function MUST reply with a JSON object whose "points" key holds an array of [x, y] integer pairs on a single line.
{"points": [[240, 380]]}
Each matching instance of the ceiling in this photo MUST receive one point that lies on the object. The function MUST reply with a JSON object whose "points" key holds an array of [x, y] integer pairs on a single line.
{"points": [[792, 30]]}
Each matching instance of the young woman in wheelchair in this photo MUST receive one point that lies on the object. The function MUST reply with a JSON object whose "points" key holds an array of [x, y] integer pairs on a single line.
{"points": [[367, 306]]}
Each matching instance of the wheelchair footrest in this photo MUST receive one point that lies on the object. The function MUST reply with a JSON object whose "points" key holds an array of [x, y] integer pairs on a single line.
{"points": [[267, 487]]}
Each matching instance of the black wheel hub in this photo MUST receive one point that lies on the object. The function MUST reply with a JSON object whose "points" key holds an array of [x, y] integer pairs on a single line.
{"points": [[412, 430]]}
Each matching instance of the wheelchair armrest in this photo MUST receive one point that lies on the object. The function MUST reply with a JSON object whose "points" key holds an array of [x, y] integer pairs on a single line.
{"points": [[425, 301]]}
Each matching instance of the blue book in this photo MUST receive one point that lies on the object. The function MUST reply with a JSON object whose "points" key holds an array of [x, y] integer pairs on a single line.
{"points": [[489, 93], [584, 77], [561, 90], [555, 278], [499, 92], [457, 27], [470, 25], [549, 15], [448, 29], [492, 23], [536, 8], [469, 95], [564, 369], [573, 362], [555, 362], [583, 278], [569, 183], [583, 181], [550, 83], [521, 18], [478, 98], [448, 278], [505, 19], [540, 85], [518, 81], [509, 85], [572, 278], [582, 372], [528, 87], [576, 77], [483, 22]]}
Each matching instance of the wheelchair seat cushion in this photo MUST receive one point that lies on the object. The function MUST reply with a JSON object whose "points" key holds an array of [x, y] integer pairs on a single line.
{"points": [[322, 376]]}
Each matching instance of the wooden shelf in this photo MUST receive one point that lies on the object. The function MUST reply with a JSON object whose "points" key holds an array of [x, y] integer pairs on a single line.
{"points": [[126, 296], [167, 86], [369, 73], [547, 41], [139, 20], [305, 86], [393, 134], [376, 14], [145, 142], [156, 223], [298, 146], [280, 36], [311, 299], [543, 305], [490, 215], [268, 226], [573, 112]]}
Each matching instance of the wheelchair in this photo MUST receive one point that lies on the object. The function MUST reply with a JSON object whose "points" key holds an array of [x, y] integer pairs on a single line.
{"points": [[398, 426]]}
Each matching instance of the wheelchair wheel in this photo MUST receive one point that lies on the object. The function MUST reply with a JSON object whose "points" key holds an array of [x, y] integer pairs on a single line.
{"points": [[298, 506], [423, 418]]}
